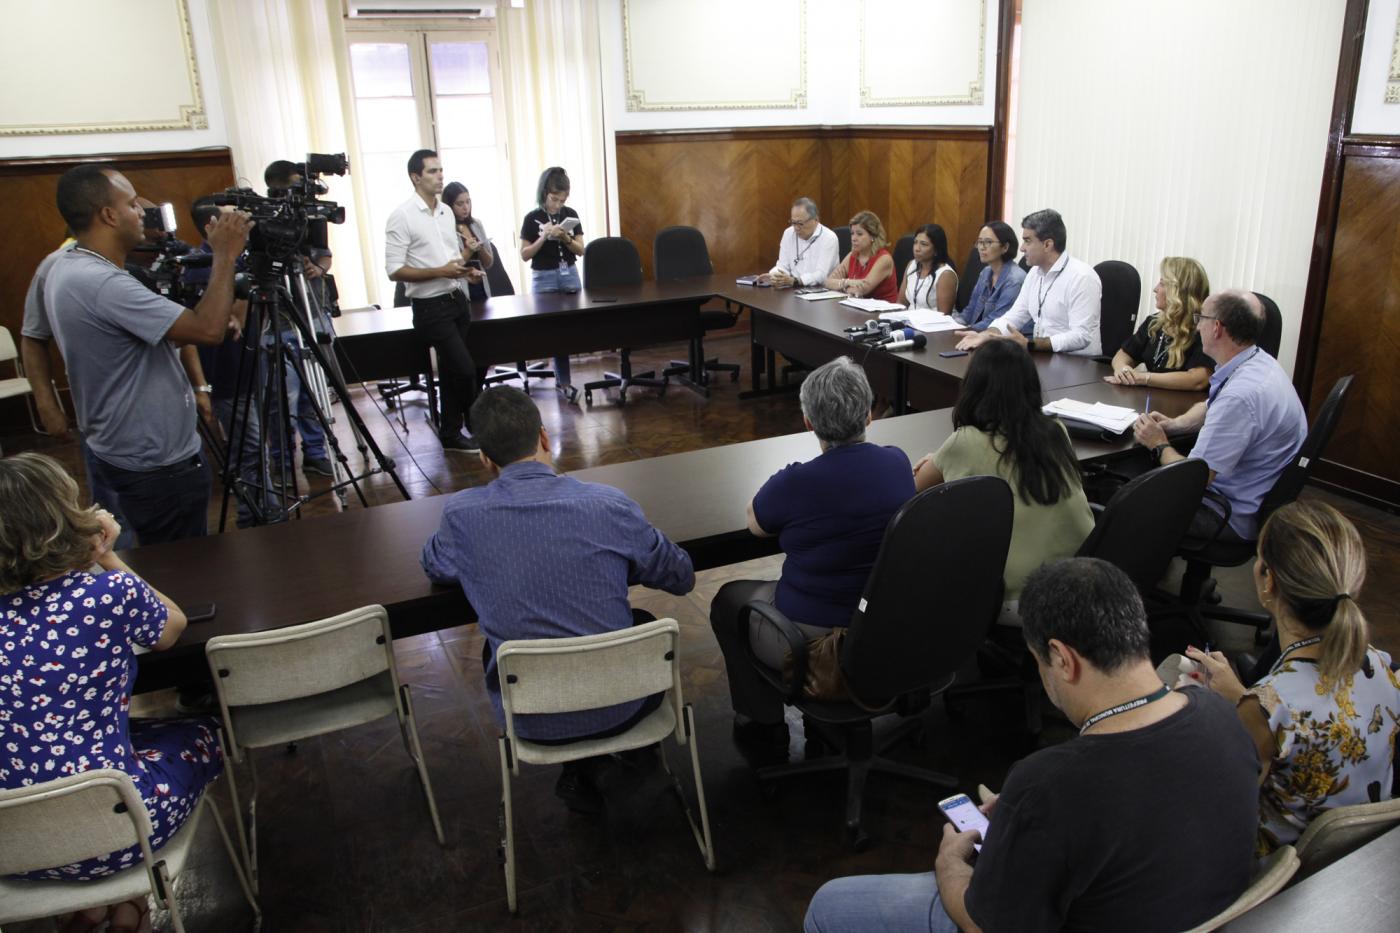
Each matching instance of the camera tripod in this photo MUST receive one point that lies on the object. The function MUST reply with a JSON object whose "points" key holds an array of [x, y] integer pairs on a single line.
{"points": [[280, 333]]}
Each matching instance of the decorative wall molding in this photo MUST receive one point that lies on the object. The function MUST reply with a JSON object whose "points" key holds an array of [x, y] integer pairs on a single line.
{"points": [[886, 27], [187, 113], [786, 90], [1392, 81]]}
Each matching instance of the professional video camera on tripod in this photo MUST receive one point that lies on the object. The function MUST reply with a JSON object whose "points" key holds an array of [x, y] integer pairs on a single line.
{"points": [[282, 326]]}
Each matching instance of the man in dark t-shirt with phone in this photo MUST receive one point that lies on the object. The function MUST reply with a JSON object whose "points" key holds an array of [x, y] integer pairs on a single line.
{"points": [[1144, 822]]}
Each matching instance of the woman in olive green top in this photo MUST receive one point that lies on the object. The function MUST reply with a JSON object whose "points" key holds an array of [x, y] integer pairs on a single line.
{"points": [[1000, 430]]}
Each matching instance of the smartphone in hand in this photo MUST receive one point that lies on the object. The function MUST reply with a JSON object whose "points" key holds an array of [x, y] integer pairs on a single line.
{"points": [[963, 813]]}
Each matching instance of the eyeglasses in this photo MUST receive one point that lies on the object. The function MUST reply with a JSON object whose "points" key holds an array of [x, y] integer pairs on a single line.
{"points": [[981, 243], [1198, 317], [799, 223]]}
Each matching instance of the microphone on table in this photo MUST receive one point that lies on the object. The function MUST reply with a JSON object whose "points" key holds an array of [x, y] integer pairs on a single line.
{"points": [[914, 342], [899, 333]]}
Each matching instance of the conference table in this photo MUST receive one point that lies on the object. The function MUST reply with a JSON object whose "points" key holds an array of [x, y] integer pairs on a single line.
{"points": [[279, 575]]}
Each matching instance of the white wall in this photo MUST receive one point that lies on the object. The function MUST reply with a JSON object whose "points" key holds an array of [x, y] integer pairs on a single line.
{"points": [[1372, 114], [61, 52]]}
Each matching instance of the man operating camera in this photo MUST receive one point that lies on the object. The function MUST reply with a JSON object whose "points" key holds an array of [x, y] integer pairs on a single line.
{"points": [[119, 340]]}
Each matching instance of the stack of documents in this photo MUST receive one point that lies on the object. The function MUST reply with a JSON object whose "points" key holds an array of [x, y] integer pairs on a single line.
{"points": [[871, 305], [1111, 418], [926, 320], [820, 295]]}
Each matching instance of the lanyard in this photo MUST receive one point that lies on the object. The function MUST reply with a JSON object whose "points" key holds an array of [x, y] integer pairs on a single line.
{"points": [[1216, 390], [797, 246], [1042, 295], [932, 276], [1129, 706], [1296, 646], [84, 249]]}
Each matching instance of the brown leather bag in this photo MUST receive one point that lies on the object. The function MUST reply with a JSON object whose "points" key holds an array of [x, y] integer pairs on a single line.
{"points": [[824, 680]]}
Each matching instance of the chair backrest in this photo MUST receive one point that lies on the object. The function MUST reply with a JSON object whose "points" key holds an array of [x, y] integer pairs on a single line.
{"points": [[843, 241], [7, 346], [679, 252], [70, 819], [1122, 290], [968, 280], [903, 254], [1272, 875], [1294, 476], [565, 675], [1342, 830], [611, 260], [1138, 531], [301, 660], [499, 279], [935, 590], [1273, 326]]}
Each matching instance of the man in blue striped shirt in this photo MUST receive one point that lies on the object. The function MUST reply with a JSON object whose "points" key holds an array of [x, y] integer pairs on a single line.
{"points": [[546, 556]]}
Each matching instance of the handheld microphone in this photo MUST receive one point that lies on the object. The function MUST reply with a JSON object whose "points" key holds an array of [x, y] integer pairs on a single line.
{"points": [[900, 333], [914, 342]]}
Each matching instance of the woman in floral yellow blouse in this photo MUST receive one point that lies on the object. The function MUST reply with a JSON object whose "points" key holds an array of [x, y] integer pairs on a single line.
{"points": [[1326, 716]]}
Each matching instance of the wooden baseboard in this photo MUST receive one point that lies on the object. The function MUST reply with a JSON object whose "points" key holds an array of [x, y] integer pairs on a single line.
{"points": [[1377, 491]]}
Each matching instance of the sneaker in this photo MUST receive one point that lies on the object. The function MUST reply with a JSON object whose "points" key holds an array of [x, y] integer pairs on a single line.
{"points": [[193, 701], [321, 465], [460, 443]]}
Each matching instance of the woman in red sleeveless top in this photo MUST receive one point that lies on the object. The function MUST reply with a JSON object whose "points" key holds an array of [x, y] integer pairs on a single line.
{"points": [[867, 271]]}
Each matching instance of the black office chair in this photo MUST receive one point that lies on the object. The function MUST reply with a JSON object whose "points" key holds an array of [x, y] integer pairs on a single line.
{"points": [[499, 280], [1024, 263], [903, 255], [680, 252], [929, 602], [1197, 585], [1273, 326], [391, 390], [1122, 290], [843, 241], [968, 280], [614, 260]]}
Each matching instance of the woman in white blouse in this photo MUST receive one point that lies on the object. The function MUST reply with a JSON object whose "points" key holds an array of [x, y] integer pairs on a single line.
{"points": [[930, 281]]}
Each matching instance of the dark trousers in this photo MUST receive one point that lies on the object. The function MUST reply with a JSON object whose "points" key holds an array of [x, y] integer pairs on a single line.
{"points": [[751, 695], [167, 504], [1207, 526], [443, 322]]}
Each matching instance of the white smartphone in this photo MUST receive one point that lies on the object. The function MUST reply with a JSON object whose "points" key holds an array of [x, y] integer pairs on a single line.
{"points": [[568, 224], [963, 813]]}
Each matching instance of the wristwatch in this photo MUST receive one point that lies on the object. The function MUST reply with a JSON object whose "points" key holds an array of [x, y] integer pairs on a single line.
{"points": [[206, 389], [1157, 452]]}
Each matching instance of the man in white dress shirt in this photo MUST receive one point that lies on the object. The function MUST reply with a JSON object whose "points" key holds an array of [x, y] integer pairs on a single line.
{"points": [[807, 251], [1061, 295], [422, 250]]}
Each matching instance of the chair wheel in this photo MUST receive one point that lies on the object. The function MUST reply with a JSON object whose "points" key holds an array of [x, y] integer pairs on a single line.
{"points": [[588, 397], [390, 403]]}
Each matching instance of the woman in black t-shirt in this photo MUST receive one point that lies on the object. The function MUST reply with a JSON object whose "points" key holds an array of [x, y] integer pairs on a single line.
{"points": [[1167, 343], [551, 239]]}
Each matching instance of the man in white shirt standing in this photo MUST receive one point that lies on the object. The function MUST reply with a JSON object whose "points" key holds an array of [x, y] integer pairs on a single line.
{"points": [[422, 250], [807, 251], [1061, 295]]}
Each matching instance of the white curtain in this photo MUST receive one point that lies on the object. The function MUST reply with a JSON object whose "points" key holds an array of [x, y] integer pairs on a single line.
{"points": [[285, 76], [1192, 128], [554, 109]]}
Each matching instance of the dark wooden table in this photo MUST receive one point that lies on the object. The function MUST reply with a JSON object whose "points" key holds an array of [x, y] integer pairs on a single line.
{"points": [[1358, 894], [278, 575]]}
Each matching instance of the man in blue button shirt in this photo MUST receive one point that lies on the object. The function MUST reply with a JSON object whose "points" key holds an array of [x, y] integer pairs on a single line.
{"points": [[546, 556], [1251, 425]]}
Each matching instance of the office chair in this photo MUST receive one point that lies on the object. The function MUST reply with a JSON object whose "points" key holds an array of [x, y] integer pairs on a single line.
{"points": [[680, 252], [1340, 831], [968, 280], [499, 280], [19, 383], [1197, 585], [843, 241], [927, 607], [903, 255], [1273, 326], [614, 260], [1122, 290]]}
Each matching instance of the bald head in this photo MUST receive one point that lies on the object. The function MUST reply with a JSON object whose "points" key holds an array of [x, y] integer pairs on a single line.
{"points": [[1240, 313]]}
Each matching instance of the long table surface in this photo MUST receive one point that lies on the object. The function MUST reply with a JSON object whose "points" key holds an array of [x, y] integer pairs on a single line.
{"points": [[278, 575]]}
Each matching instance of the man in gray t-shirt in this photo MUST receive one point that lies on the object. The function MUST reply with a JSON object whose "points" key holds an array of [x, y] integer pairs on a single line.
{"points": [[119, 342]]}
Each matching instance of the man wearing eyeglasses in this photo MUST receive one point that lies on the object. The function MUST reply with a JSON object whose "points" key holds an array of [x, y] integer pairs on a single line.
{"points": [[1252, 424], [807, 251]]}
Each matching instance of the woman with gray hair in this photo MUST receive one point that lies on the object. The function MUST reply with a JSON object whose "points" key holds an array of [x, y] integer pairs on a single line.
{"points": [[829, 515]]}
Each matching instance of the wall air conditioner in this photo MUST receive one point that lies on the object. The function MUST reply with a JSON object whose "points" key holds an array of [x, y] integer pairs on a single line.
{"points": [[421, 9]]}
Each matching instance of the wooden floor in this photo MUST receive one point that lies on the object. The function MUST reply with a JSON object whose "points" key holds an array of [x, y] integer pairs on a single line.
{"points": [[345, 839]]}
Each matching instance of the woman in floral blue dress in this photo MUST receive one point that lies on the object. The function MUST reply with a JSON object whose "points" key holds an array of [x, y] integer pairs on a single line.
{"points": [[67, 636]]}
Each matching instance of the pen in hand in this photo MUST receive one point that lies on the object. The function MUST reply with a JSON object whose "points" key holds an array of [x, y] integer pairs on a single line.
{"points": [[1147, 405]]}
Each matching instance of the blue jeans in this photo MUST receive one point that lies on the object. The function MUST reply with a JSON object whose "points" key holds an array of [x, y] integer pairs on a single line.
{"points": [[251, 466], [892, 903], [303, 420], [105, 497], [563, 279]]}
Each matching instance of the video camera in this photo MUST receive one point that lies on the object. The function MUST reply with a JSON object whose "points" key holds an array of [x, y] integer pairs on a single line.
{"points": [[283, 219]]}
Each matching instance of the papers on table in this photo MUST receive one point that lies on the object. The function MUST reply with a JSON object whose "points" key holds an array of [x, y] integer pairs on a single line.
{"points": [[872, 305], [926, 320], [1112, 418], [820, 295]]}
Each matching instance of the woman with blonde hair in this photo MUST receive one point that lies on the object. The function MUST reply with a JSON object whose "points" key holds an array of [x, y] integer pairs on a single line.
{"points": [[68, 633], [867, 271], [1167, 345], [1326, 716]]}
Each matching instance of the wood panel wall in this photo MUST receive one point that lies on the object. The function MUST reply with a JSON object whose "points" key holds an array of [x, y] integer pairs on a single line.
{"points": [[34, 227], [1360, 326], [737, 186]]}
